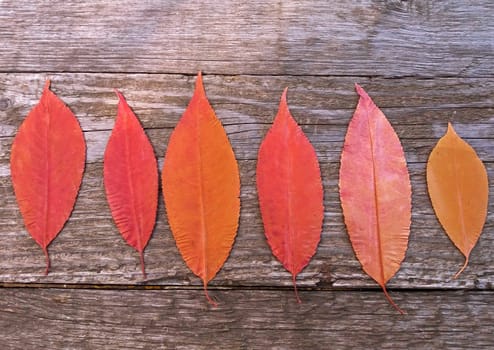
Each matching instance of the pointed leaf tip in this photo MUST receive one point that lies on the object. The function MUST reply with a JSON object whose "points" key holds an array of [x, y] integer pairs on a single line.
{"points": [[47, 85], [362, 93], [359, 89], [284, 94], [199, 86], [283, 110], [451, 129], [121, 98]]}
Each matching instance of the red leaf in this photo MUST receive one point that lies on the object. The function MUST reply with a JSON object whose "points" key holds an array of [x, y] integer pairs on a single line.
{"points": [[375, 192], [201, 188], [47, 163], [290, 192], [131, 179]]}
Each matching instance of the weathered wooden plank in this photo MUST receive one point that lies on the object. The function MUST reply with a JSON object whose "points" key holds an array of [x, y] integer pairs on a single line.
{"points": [[160, 99], [419, 109], [90, 250], [244, 319], [247, 138], [318, 49], [310, 37]]}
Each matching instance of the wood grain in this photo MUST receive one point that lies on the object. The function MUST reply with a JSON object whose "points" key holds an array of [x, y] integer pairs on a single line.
{"points": [[244, 319], [90, 251], [423, 62], [310, 37]]}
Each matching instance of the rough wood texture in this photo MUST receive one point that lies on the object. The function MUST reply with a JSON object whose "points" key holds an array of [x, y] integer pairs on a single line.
{"points": [[89, 250], [423, 62], [309, 37], [244, 319]]}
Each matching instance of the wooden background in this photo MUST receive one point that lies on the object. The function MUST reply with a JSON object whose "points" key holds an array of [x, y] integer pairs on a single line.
{"points": [[424, 62]]}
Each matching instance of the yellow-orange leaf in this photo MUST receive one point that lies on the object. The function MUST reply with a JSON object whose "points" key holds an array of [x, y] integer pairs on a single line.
{"points": [[458, 187], [201, 188], [375, 192]]}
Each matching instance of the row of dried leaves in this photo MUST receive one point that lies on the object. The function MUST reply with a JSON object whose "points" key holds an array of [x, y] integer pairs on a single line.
{"points": [[201, 185]]}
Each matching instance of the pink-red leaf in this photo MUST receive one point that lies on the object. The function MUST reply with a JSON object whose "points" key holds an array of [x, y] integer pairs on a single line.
{"points": [[459, 190], [131, 179], [290, 192], [47, 163], [375, 192], [201, 188]]}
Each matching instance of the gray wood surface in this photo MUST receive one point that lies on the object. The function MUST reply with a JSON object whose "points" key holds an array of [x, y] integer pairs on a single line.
{"points": [[423, 62], [247, 105], [306, 37], [244, 319]]}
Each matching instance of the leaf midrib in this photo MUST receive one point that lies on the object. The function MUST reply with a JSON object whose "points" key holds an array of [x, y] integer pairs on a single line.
{"points": [[459, 198], [201, 203], [376, 202], [136, 217], [289, 249], [47, 191]]}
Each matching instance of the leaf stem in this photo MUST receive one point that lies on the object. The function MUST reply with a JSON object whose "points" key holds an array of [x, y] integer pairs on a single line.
{"points": [[211, 301], [391, 300], [462, 268], [141, 256], [295, 289], [45, 250]]}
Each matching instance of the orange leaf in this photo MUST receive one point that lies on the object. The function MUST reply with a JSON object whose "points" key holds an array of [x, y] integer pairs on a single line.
{"points": [[47, 163], [290, 192], [458, 187], [201, 188], [375, 192], [131, 179]]}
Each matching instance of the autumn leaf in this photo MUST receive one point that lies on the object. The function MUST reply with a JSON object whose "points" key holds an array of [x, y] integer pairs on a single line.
{"points": [[375, 192], [459, 189], [201, 188], [290, 193], [47, 163], [131, 179]]}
